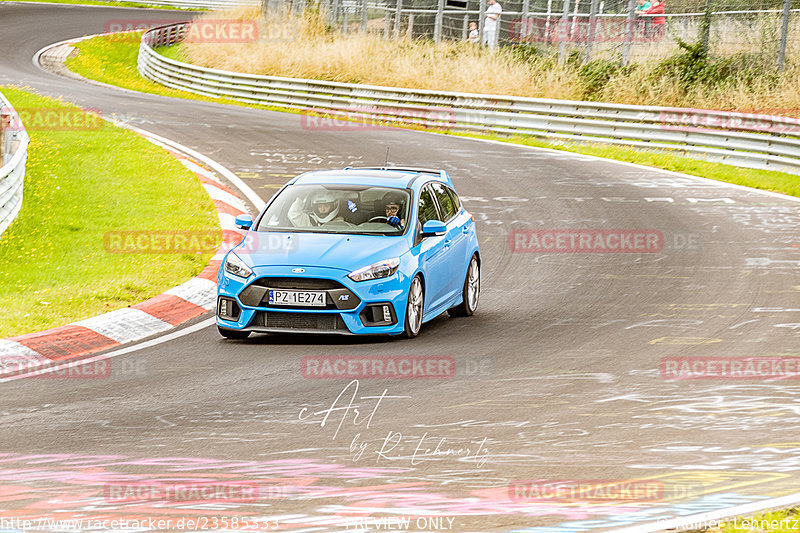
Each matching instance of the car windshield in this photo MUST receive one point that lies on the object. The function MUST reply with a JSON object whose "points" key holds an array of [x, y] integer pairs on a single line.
{"points": [[338, 209]]}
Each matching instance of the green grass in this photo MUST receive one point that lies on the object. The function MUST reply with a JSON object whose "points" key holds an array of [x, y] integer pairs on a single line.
{"points": [[759, 179], [79, 185], [99, 3], [114, 61], [776, 522]]}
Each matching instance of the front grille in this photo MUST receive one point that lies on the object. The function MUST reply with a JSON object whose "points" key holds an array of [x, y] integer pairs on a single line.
{"points": [[338, 297], [303, 284], [300, 321]]}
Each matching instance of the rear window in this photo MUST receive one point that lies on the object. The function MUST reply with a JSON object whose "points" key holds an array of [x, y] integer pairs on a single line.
{"points": [[427, 209], [445, 201]]}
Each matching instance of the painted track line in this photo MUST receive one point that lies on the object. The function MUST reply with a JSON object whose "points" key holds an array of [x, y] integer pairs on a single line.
{"points": [[116, 353]]}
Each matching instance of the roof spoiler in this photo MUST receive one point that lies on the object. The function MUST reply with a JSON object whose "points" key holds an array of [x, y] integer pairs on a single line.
{"points": [[441, 173]]}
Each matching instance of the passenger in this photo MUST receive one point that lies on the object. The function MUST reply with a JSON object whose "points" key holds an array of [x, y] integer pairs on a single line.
{"points": [[393, 204]]}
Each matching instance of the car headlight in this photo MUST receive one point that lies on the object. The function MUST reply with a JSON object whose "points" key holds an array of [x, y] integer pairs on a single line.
{"points": [[234, 265], [381, 269]]}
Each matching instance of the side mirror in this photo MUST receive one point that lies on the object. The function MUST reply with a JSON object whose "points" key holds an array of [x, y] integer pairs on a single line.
{"points": [[433, 227], [244, 221]]}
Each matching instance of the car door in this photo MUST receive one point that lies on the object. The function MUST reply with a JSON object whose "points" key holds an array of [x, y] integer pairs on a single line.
{"points": [[456, 241], [432, 252]]}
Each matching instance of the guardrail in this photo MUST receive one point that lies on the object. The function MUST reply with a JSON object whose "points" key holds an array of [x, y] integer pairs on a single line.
{"points": [[13, 155], [748, 140]]}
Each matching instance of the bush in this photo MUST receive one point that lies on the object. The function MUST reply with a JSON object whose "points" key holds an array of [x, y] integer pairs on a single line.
{"points": [[596, 74], [524, 53], [694, 67]]}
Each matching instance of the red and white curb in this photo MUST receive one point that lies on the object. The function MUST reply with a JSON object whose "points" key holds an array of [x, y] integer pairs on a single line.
{"points": [[156, 315]]}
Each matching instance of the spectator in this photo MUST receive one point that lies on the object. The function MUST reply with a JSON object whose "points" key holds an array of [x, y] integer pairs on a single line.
{"points": [[474, 38], [642, 6], [491, 21], [656, 23], [642, 26]]}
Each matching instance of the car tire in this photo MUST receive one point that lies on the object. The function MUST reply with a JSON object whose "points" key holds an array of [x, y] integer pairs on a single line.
{"points": [[471, 291], [233, 333], [415, 306]]}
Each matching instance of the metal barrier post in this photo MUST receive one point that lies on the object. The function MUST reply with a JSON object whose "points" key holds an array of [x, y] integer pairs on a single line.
{"points": [[364, 16], [631, 26], [563, 30], [481, 16], [334, 12], [524, 22], [787, 12], [592, 30], [705, 27], [397, 14], [437, 27]]}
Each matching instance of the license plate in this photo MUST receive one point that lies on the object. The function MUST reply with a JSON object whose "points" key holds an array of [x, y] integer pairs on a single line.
{"points": [[300, 298]]}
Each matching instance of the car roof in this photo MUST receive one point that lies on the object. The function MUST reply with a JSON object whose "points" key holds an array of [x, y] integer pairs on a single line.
{"points": [[395, 177]]}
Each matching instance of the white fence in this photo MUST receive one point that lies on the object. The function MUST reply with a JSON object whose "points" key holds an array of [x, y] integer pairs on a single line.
{"points": [[13, 155], [756, 141]]}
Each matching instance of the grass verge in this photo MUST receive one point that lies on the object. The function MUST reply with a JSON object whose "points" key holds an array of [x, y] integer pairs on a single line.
{"points": [[759, 179], [79, 185], [101, 3], [113, 60]]}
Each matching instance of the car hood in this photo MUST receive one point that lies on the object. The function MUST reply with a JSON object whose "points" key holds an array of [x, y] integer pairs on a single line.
{"points": [[346, 252]]}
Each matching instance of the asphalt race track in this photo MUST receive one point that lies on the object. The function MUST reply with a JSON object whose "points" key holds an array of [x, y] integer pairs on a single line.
{"points": [[557, 377]]}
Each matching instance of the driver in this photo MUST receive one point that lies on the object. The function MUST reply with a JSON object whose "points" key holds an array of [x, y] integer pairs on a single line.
{"points": [[393, 204], [324, 209]]}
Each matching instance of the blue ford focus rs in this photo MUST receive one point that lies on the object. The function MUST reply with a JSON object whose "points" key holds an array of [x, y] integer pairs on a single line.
{"points": [[353, 251]]}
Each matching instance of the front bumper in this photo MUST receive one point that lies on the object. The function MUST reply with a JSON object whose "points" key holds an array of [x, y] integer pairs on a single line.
{"points": [[352, 308]]}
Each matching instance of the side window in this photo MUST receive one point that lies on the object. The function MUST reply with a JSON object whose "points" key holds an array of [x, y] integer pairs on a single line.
{"points": [[427, 208], [456, 200], [445, 201]]}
